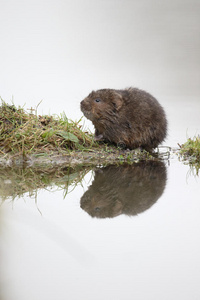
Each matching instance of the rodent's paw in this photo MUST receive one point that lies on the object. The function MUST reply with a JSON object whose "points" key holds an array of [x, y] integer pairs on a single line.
{"points": [[98, 137]]}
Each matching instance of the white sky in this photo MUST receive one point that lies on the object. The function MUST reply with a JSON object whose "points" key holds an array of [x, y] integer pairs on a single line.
{"points": [[58, 51]]}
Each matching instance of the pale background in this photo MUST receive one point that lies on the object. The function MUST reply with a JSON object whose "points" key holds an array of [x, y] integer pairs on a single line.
{"points": [[58, 51]]}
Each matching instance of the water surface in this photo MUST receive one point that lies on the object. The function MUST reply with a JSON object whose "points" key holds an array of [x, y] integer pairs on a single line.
{"points": [[94, 243]]}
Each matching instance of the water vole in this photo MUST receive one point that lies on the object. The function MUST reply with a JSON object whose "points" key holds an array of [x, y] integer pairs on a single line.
{"points": [[130, 117]]}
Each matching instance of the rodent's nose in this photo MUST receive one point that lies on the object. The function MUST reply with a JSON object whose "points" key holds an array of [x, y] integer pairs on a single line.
{"points": [[82, 105]]}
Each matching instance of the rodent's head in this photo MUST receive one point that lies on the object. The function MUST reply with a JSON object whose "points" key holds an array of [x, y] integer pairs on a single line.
{"points": [[101, 103]]}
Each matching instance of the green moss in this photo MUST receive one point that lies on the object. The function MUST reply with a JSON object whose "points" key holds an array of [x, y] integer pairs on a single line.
{"points": [[190, 151]]}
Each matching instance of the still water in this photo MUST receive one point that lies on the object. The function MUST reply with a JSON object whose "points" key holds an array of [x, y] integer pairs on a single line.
{"points": [[127, 232], [130, 232]]}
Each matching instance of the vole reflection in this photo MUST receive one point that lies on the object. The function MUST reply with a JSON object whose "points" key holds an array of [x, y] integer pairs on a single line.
{"points": [[125, 189]]}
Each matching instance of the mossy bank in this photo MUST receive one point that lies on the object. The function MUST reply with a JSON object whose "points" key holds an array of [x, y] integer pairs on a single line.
{"points": [[29, 139]]}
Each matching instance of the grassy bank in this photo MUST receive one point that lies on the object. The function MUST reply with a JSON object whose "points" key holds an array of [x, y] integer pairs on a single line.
{"points": [[24, 133], [26, 137]]}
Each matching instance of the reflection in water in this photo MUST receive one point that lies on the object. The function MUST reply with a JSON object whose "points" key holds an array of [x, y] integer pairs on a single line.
{"points": [[15, 182], [125, 189]]}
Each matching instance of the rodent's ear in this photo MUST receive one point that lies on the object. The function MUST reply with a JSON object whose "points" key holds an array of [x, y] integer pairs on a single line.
{"points": [[117, 100]]}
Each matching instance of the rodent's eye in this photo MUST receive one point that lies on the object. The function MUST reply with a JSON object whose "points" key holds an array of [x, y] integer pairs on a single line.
{"points": [[97, 100]]}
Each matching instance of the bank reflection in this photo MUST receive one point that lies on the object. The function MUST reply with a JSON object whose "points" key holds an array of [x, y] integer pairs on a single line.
{"points": [[125, 189]]}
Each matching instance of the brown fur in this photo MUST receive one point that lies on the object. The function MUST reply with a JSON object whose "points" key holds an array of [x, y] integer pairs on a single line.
{"points": [[125, 189], [131, 117]]}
